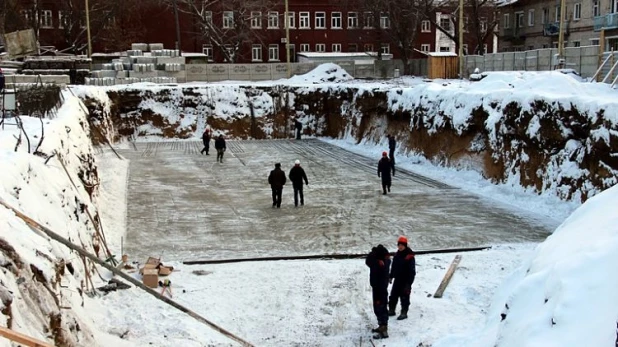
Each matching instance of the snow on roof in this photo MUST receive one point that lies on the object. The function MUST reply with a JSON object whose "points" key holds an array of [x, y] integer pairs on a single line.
{"points": [[339, 54], [323, 73], [194, 55], [441, 54]]}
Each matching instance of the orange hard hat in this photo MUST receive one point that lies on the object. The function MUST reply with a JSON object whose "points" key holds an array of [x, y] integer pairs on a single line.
{"points": [[402, 239]]}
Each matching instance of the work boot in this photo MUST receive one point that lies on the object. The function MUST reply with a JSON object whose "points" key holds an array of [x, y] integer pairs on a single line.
{"points": [[375, 330], [382, 332], [391, 312], [403, 315]]}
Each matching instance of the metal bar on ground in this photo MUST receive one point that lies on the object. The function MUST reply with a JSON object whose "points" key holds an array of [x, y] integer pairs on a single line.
{"points": [[329, 256], [447, 277]]}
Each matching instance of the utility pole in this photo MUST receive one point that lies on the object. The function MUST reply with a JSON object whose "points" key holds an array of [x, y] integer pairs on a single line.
{"points": [[561, 58], [88, 33], [461, 31], [178, 45], [287, 38]]}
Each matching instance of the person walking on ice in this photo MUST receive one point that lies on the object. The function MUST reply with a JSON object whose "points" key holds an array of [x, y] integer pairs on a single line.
{"points": [[220, 147], [403, 272], [276, 179], [379, 263], [392, 145], [384, 172], [297, 175], [206, 139]]}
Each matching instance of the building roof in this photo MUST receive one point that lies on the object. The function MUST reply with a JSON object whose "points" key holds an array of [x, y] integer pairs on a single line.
{"points": [[441, 54], [340, 54]]}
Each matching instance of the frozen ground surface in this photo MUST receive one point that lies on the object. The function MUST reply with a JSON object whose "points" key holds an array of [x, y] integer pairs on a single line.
{"points": [[185, 206]]}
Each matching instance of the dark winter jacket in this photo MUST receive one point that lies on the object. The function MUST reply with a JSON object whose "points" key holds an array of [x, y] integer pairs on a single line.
{"points": [[276, 179], [392, 143], [404, 266], [206, 136], [384, 169], [379, 263], [298, 125], [297, 175], [220, 143]]}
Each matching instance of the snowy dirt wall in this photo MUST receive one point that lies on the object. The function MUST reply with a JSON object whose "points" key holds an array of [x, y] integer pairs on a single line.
{"points": [[41, 281], [546, 131]]}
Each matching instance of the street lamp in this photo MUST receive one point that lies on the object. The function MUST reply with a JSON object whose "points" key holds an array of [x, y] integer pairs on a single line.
{"points": [[88, 30], [287, 37]]}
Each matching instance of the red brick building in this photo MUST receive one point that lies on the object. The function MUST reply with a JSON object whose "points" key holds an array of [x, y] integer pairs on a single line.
{"points": [[251, 35]]}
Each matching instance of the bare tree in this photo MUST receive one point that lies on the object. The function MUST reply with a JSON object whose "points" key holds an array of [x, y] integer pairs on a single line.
{"points": [[227, 24], [480, 20]]}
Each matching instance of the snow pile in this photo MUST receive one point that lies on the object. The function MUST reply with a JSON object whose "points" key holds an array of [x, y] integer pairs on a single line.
{"points": [[324, 73], [40, 277], [565, 294]]}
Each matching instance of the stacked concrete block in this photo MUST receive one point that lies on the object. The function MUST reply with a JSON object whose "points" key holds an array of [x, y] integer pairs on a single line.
{"points": [[172, 67], [144, 74], [139, 47], [156, 47], [144, 67]]}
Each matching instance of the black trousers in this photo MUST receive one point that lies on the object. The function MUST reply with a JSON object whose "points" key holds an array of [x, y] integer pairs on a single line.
{"points": [[220, 154], [206, 147], [400, 291], [391, 155], [298, 190], [298, 134], [277, 196], [386, 185], [379, 304]]}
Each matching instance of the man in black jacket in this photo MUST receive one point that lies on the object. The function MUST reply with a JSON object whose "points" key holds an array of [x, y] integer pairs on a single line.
{"points": [[206, 140], [276, 179], [220, 147], [298, 126], [379, 262], [384, 171], [297, 175], [403, 272]]}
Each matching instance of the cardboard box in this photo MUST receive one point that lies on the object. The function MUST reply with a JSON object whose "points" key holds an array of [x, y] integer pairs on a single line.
{"points": [[150, 278], [165, 270]]}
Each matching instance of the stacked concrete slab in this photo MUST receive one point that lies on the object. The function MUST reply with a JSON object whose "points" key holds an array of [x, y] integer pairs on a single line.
{"points": [[142, 63]]}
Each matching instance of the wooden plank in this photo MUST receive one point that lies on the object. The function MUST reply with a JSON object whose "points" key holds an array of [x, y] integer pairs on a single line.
{"points": [[447, 277], [22, 339]]}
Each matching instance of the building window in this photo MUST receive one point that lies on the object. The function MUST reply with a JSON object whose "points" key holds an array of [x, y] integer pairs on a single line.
{"points": [[228, 19], [545, 45], [304, 47], [385, 22], [26, 14], [554, 45], [335, 20], [368, 47], [530, 18], [594, 42], [385, 48], [229, 53], [557, 13], [46, 19], [520, 19], [485, 50], [352, 47], [483, 24], [256, 53], [208, 18], [545, 16], [507, 21], [465, 49], [595, 8], [291, 20], [577, 44], [273, 52], [425, 26], [303, 19], [207, 50], [530, 48], [336, 47], [425, 47], [352, 20], [62, 19], [445, 23], [445, 49], [256, 20], [320, 47], [577, 11], [368, 20], [273, 20], [320, 20]]}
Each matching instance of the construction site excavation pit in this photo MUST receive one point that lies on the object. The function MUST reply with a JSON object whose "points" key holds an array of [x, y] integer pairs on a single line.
{"points": [[184, 206]]}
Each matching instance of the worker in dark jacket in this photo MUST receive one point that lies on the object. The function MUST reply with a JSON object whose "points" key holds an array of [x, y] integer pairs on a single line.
{"points": [[392, 144], [403, 272], [297, 175], [299, 126], [220, 147], [206, 140], [276, 179], [384, 171], [379, 263]]}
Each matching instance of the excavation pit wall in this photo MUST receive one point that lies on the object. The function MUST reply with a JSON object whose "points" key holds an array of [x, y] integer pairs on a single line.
{"points": [[548, 145]]}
